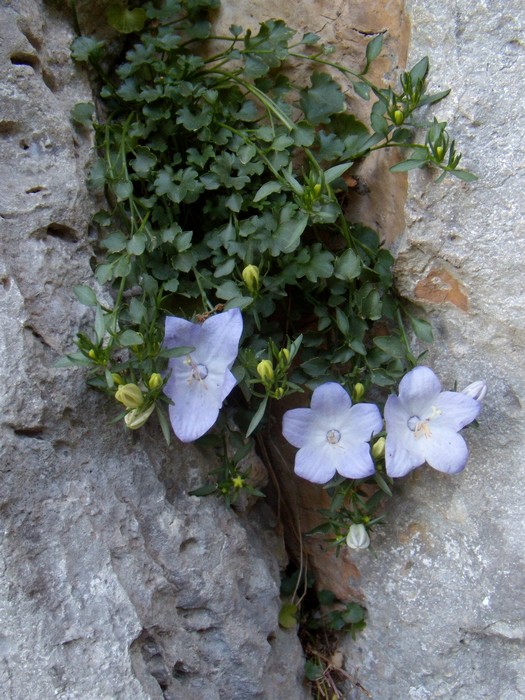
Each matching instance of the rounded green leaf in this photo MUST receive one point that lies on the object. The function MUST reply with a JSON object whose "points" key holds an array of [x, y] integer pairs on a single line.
{"points": [[125, 21], [85, 295], [288, 616], [347, 266], [129, 338], [82, 113]]}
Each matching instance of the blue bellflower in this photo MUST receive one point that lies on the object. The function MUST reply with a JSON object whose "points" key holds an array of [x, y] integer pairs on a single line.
{"points": [[332, 435], [422, 425], [199, 382]]}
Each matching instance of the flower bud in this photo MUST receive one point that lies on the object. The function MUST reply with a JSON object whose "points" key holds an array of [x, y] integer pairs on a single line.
{"points": [[250, 275], [92, 354], [284, 356], [117, 378], [476, 390], [399, 117], [317, 190], [440, 152], [358, 537], [265, 371], [279, 393], [136, 418], [358, 392], [130, 395], [378, 448], [155, 381]]}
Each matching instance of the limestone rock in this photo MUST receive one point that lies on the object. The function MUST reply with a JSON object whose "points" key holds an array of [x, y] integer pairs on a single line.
{"points": [[446, 591], [115, 584]]}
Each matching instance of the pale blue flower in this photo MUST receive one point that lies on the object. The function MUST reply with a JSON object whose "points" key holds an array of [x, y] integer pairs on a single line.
{"points": [[199, 382], [422, 425], [332, 435]]}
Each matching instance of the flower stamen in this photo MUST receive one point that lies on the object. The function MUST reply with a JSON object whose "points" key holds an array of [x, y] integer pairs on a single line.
{"points": [[198, 371], [419, 427]]}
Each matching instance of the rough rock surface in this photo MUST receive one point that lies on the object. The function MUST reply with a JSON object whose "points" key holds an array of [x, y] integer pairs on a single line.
{"points": [[446, 593], [115, 584]]}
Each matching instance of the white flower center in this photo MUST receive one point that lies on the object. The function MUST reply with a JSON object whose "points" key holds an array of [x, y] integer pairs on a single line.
{"points": [[421, 426], [198, 371], [333, 437]]}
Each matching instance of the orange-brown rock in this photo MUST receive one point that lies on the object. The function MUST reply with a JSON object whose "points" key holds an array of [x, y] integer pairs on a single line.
{"points": [[440, 286]]}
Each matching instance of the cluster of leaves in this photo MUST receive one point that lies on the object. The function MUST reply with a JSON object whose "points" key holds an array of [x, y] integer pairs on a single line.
{"points": [[233, 477], [215, 161], [323, 620]]}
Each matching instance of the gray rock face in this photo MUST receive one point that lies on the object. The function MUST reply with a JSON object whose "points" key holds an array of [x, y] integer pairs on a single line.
{"points": [[115, 584], [446, 592]]}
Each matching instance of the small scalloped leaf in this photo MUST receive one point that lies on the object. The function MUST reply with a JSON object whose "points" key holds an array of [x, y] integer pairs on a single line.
{"points": [[125, 21]]}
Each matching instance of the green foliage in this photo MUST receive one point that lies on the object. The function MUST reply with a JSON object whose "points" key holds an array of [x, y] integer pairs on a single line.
{"points": [[233, 477]]}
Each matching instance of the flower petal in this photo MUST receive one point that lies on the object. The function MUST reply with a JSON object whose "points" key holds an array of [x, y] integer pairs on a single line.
{"points": [[330, 399], [364, 421], [220, 337], [315, 462], [297, 425], [396, 415], [195, 408], [178, 332], [399, 460], [457, 410], [446, 451], [419, 388], [228, 384], [403, 451], [354, 462]]}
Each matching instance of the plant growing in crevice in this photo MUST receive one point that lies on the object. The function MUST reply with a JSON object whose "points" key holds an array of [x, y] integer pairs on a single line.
{"points": [[323, 622], [225, 182]]}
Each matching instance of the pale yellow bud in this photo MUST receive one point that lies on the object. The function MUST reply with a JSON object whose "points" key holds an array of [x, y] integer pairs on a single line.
{"points": [[117, 378], [265, 371], [130, 395], [279, 393], [155, 381], [399, 117], [440, 152], [378, 448], [284, 356], [250, 275], [136, 417], [317, 190], [358, 392], [92, 354]]}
